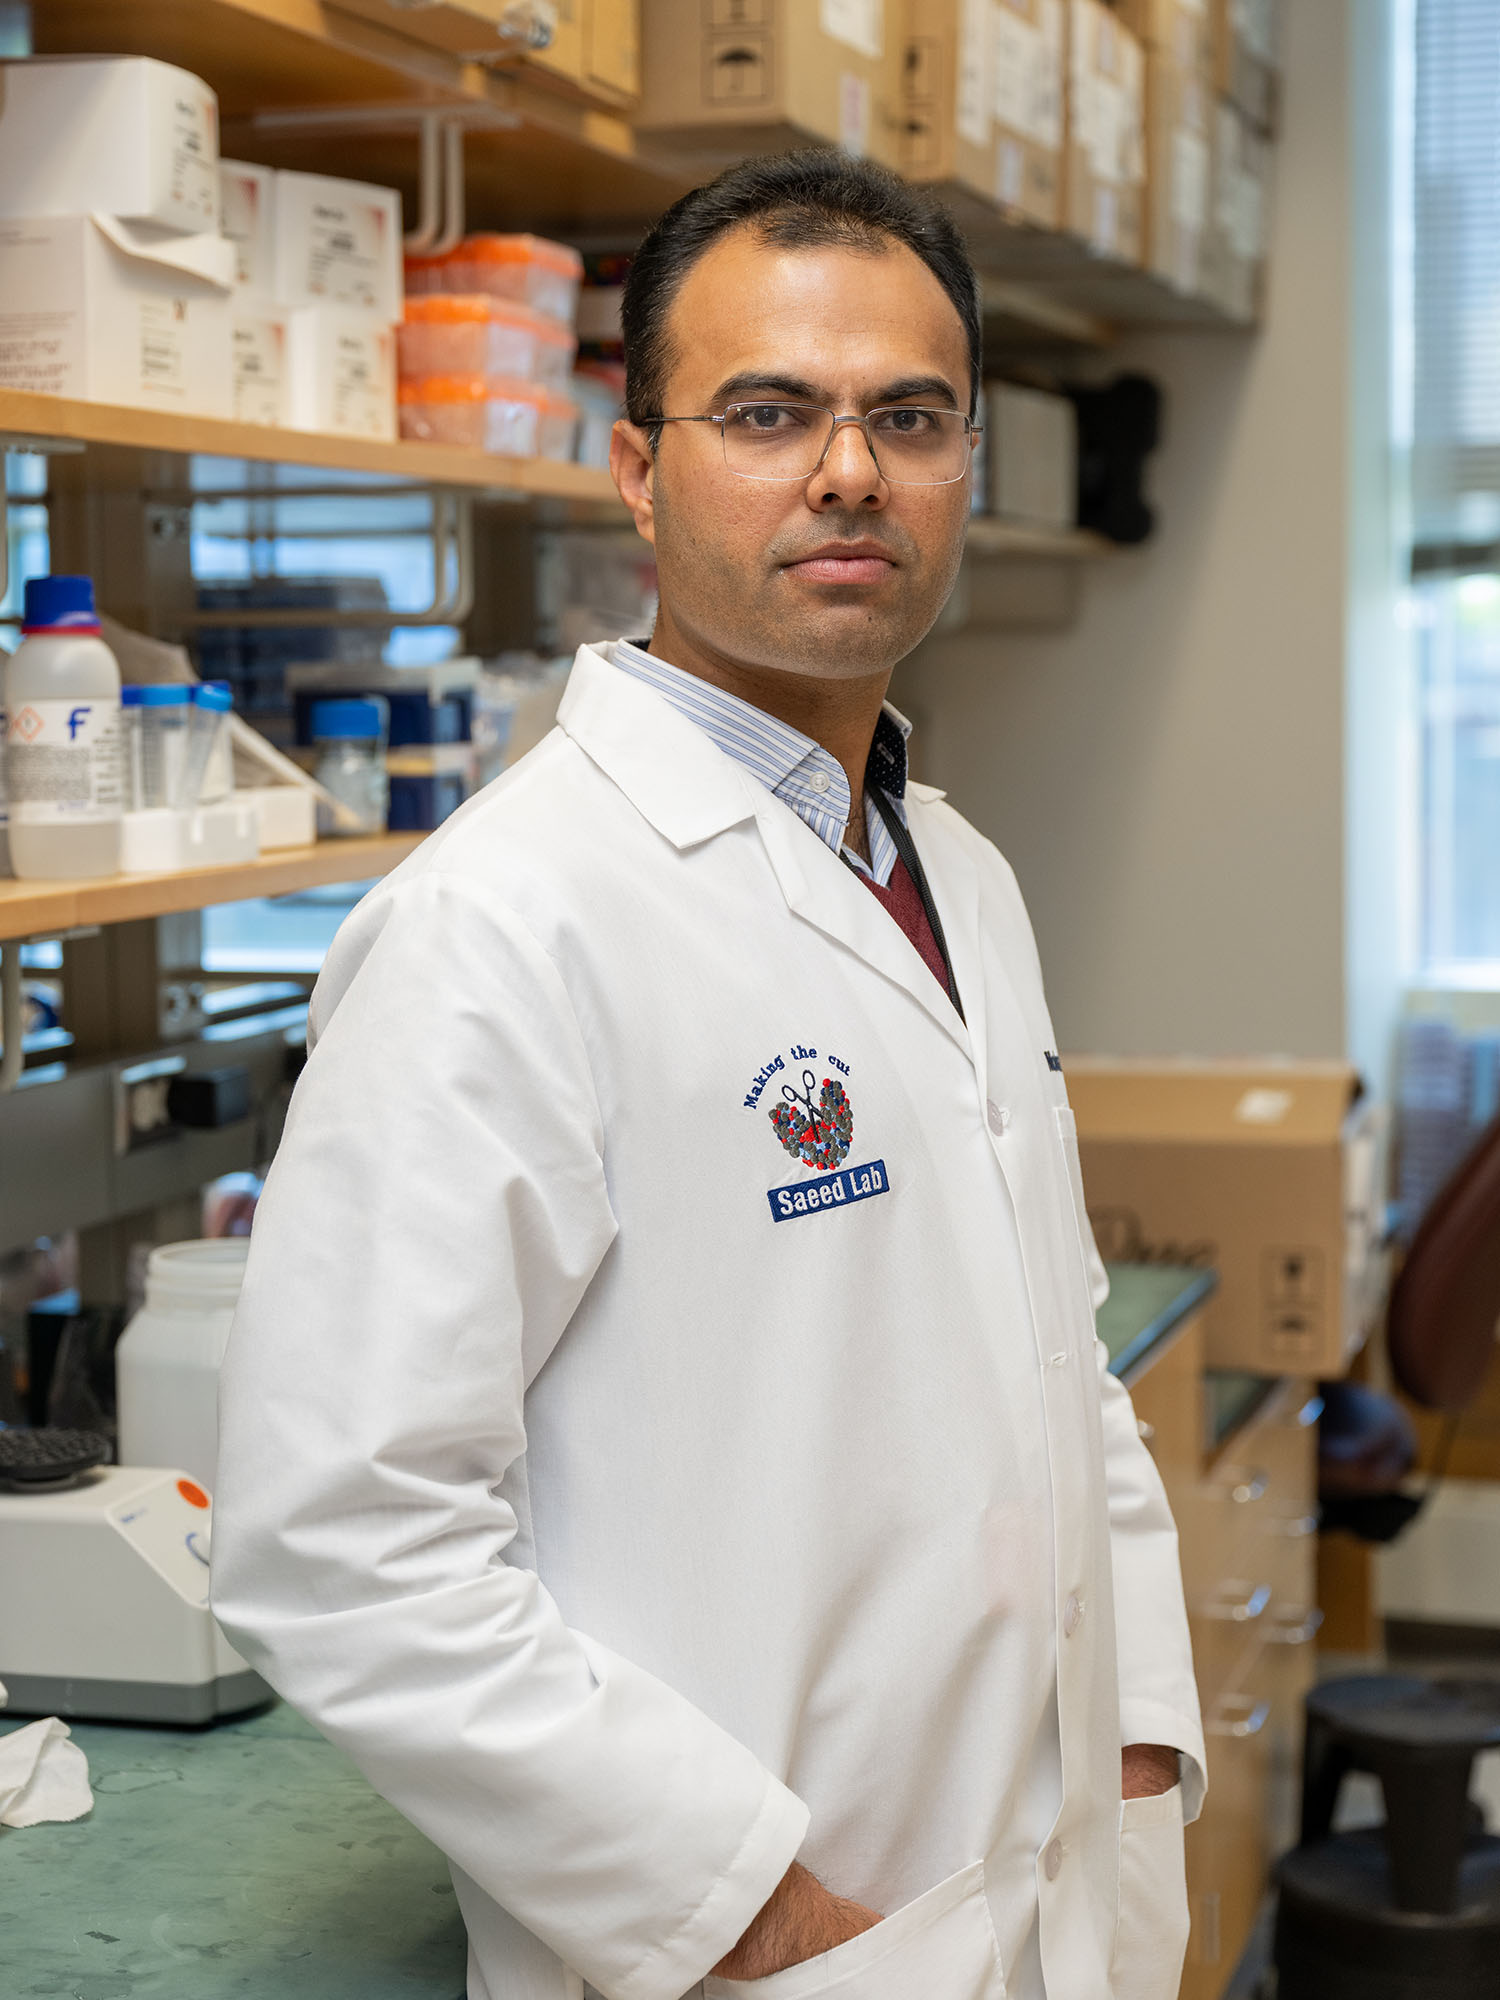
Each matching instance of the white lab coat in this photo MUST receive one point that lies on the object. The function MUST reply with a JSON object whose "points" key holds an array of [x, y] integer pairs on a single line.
{"points": [[633, 1540]]}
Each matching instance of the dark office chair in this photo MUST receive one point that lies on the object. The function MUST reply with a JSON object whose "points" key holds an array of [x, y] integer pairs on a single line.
{"points": [[1409, 1910]]}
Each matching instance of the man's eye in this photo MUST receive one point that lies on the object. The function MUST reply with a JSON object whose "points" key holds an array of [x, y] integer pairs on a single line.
{"points": [[909, 423], [766, 417]]}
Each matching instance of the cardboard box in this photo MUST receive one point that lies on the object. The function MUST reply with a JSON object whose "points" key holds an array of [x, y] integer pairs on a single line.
{"points": [[1178, 172], [1030, 455], [112, 312], [1234, 258], [340, 372], [726, 77], [247, 208], [123, 135], [338, 243], [1104, 170], [594, 51], [1246, 64], [1180, 29], [983, 101], [1269, 1172]]}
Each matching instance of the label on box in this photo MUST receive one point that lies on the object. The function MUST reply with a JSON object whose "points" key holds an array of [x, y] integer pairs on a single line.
{"points": [[357, 387], [854, 113], [39, 351], [975, 47], [858, 24], [1028, 72], [162, 348], [345, 253], [258, 354], [195, 155], [1189, 179], [62, 761]]}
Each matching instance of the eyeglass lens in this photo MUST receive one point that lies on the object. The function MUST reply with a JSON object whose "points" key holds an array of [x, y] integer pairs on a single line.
{"points": [[912, 446]]}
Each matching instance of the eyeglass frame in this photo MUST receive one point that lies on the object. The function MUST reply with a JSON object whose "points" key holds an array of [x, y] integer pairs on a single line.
{"points": [[971, 431]]}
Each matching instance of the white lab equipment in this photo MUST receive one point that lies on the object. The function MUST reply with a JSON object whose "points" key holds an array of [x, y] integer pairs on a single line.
{"points": [[104, 1584], [62, 739], [209, 772], [167, 1359]]}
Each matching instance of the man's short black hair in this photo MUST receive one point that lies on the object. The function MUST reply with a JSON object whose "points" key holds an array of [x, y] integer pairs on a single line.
{"points": [[797, 201]]}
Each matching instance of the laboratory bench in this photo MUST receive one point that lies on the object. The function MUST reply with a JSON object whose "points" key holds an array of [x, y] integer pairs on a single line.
{"points": [[251, 1859]]}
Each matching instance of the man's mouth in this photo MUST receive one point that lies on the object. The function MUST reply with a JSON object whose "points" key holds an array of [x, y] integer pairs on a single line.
{"points": [[846, 563]]}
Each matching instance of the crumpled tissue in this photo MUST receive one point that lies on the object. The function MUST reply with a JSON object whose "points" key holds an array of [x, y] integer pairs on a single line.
{"points": [[43, 1774]]}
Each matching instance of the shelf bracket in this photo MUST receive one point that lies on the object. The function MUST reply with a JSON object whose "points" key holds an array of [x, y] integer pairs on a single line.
{"points": [[452, 586], [12, 1010]]}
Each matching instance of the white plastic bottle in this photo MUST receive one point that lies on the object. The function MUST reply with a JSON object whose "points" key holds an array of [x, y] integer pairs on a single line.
{"points": [[167, 1359], [62, 740]]}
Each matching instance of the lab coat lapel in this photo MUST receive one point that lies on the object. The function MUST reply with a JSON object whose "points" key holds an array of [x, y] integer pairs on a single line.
{"points": [[820, 889]]}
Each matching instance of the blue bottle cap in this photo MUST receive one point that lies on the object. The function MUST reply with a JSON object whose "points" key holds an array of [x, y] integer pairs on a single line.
{"points": [[162, 694], [214, 696], [359, 719], [130, 695], [60, 604]]}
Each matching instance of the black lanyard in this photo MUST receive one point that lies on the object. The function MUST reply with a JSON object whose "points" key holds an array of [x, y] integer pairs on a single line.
{"points": [[905, 846]]}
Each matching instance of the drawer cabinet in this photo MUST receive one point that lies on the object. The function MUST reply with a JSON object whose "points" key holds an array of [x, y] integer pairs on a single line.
{"points": [[1246, 1515]]}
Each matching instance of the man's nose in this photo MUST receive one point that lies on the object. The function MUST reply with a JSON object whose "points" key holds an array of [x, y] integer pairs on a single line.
{"points": [[849, 475]]}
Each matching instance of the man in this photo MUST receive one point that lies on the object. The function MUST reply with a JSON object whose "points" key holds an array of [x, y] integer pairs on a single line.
{"points": [[663, 1437]]}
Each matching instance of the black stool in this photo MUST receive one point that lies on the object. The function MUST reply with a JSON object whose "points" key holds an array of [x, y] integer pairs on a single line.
{"points": [[1409, 1910]]}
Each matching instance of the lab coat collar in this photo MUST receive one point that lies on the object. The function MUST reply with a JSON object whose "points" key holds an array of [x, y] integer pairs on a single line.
{"points": [[690, 790]]}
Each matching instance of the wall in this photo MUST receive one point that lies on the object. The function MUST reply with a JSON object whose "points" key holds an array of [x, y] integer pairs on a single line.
{"points": [[1166, 775]]}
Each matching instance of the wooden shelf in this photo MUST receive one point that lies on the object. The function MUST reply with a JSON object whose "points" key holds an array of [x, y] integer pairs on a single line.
{"points": [[25, 416], [989, 537], [41, 909]]}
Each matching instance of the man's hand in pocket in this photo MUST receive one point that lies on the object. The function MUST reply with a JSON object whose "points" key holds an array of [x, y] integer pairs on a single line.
{"points": [[802, 1920]]}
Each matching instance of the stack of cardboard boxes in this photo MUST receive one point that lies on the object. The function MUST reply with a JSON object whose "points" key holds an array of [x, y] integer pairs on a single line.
{"points": [[317, 295], [593, 51], [1211, 99]]}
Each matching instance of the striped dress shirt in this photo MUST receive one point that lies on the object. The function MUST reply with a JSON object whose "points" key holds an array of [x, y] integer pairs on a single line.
{"points": [[801, 773]]}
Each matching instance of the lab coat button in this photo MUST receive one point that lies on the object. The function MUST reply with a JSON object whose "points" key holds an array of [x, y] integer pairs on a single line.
{"points": [[1072, 1616], [998, 1116], [1052, 1860]]}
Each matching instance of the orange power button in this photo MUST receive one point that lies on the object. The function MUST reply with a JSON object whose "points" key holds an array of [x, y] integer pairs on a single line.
{"points": [[194, 1495]]}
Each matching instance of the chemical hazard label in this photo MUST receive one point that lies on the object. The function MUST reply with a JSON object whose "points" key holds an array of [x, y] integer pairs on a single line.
{"points": [[63, 762]]}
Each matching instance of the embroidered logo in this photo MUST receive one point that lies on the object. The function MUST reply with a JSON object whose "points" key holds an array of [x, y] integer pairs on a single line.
{"points": [[819, 1132], [814, 1122]]}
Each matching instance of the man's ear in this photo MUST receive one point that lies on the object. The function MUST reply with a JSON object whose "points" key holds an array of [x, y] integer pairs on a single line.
{"points": [[633, 467]]}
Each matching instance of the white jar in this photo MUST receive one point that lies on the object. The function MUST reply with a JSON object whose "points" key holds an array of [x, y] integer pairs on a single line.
{"points": [[62, 745], [167, 1360]]}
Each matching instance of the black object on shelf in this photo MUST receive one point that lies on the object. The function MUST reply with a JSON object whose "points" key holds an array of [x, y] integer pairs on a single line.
{"points": [[42, 1461], [208, 1098], [1410, 1910], [1119, 426]]}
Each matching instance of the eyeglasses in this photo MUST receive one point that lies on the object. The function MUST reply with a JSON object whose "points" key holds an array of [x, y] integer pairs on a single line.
{"points": [[911, 445]]}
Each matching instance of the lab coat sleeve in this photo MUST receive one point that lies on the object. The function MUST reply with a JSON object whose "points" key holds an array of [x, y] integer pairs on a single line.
{"points": [[1158, 1691], [434, 1215]]}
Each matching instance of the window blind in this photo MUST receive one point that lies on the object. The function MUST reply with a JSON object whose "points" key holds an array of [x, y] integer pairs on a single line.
{"points": [[1456, 284]]}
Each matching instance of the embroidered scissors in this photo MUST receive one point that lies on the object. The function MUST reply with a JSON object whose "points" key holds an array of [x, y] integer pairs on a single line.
{"points": [[804, 1097]]}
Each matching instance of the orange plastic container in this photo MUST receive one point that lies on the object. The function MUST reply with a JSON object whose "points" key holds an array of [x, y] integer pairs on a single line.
{"points": [[528, 269], [474, 333], [491, 413], [427, 274]]}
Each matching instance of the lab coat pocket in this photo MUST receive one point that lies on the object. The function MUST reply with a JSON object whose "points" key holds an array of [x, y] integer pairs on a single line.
{"points": [[942, 1945], [1151, 1929]]}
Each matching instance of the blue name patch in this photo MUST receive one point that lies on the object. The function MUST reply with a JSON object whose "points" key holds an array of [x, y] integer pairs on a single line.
{"points": [[834, 1191]]}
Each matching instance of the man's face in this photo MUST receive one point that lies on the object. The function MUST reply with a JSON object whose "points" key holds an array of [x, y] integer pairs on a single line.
{"points": [[839, 574]]}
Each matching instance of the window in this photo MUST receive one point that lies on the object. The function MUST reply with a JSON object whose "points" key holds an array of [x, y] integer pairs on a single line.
{"points": [[1456, 483]]}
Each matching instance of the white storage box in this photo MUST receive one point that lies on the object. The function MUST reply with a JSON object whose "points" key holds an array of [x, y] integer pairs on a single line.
{"points": [[247, 198], [258, 356], [341, 372], [287, 814], [338, 243], [113, 313], [165, 839], [1031, 456], [123, 134]]}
